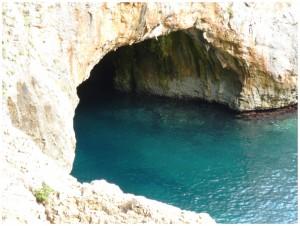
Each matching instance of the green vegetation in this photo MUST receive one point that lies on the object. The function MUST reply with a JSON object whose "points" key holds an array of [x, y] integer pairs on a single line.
{"points": [[162, 47], [230, 11], [166, 45], [43, 193]]}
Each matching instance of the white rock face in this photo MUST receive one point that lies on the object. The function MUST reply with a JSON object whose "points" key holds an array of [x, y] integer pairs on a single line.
{"points": [[50, 48]]}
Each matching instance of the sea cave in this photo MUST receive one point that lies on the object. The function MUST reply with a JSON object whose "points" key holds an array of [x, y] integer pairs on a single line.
{"points": [[149, 112], [159, 119]]}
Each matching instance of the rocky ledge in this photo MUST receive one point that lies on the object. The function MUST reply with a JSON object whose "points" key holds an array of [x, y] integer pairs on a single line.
{"points": [[34, 189]]}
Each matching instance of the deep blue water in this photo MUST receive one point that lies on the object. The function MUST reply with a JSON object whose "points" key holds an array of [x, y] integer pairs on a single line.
{"points": [[193, 155]]}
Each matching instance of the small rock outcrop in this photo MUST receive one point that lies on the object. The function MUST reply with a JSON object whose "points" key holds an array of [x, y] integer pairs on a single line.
{"points": [[100, 202], [50, 48]]}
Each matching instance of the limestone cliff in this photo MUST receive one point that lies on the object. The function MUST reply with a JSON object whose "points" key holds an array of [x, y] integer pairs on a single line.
{"points": [[50, 48]]}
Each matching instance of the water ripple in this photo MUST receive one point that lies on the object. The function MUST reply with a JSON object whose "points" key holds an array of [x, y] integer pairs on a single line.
{"points": [[195, 156]]}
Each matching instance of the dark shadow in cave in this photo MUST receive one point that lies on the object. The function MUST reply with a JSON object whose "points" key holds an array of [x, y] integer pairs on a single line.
{"points": [[150, 67], [100, 82]]}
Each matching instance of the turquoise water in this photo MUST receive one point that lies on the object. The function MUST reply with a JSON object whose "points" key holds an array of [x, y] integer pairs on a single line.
{"points": [[193, 155]]}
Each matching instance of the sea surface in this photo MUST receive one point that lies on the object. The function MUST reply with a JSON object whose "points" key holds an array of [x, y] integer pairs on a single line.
{"points": [[193, 155]]}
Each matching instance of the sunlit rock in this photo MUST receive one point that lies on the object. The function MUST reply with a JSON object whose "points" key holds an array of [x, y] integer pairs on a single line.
{"points": [[48, 49]]}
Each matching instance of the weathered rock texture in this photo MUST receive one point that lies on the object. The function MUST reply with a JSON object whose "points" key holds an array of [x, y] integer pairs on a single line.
{"points": [[50, 48], [100, 202], [181, 64], [185, 64]]}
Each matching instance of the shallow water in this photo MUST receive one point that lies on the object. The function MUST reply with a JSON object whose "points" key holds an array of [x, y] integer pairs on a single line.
{"points": [[193, 155]]}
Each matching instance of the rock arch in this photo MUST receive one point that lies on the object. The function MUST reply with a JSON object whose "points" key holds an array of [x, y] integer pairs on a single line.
{"points": [[64, 41]]}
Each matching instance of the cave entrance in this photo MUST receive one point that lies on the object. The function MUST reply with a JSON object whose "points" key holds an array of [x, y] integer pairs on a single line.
{"points": [[133, 127], [179, 65], [190, 154]]}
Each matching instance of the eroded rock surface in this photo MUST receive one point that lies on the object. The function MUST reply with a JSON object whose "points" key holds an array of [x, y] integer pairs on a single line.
{"points": [[50, 48], [184, 64], [101, 202]]}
